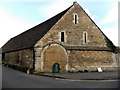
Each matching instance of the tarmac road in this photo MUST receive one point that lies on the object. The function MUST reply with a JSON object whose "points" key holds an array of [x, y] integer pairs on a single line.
{"points": [[16, 79]]}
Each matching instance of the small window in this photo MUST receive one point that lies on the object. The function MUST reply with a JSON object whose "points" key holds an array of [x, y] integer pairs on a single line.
{"points": [[84, 37], [62, 37], [75, 19]]}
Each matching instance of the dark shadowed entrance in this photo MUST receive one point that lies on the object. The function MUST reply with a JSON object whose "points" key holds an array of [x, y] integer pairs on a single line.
{"points": [[56, 68]]}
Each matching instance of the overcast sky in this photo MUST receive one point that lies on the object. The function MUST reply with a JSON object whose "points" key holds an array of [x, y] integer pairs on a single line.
{"points": [[16, 16]]}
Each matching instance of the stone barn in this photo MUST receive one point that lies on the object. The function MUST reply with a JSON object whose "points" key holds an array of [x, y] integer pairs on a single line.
{"points": [[69, 41]]}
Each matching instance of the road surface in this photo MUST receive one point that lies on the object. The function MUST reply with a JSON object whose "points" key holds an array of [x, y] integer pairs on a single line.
{"points": [[16, 79]]}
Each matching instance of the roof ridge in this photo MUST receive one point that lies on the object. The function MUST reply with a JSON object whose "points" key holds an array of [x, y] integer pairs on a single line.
{"points": [[44, 21], [30, 37]]}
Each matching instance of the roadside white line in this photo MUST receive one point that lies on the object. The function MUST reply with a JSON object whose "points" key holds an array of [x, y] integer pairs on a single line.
{"points": [[85, 80]]}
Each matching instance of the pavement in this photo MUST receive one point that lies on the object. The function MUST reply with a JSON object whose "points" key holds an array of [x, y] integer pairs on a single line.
{"points": [[85, 76], [13, 80]]}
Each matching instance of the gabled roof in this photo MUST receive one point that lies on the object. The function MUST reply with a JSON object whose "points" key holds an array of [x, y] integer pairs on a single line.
{"points": [[30, 37]]}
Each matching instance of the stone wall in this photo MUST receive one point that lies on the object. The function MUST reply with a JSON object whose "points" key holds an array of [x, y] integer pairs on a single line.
{"points": [[46, 54], [74, 32], [74, 37], [23, 58], [91, 60], [38, 59], [54, 54], [74, 60], [50, 54]]}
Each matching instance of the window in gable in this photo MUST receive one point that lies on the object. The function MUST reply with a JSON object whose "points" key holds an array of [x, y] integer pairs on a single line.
{"points": [[75, 19], [62, 36], [85, 37]]}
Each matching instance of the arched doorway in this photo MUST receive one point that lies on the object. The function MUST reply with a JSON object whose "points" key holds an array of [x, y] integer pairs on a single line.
{"points": [[56, 68], [54, 54]]}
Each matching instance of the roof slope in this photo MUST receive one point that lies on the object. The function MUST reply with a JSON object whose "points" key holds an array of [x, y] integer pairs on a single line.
{"points": [[30, 37]]}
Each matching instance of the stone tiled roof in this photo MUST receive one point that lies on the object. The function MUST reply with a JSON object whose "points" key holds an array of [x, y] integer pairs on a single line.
{"points": [[30, 37]]}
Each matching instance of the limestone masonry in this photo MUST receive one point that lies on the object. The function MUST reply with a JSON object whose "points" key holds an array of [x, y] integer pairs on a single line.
{"points": [[71, 40]]}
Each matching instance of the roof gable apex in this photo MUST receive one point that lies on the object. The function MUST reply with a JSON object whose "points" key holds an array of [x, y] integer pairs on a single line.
{"points": [[70, 15], [108, 41]]}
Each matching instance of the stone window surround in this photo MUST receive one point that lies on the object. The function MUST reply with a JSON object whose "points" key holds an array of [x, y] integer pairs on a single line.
{"points": [[85, 37], [74, 15], [65, 36]]}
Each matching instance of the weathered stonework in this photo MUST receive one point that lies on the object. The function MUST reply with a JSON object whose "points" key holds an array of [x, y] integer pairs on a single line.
{"points": [[83, 48], [74, 33], [77, 60], [91, 60], [51, 54], [54, 54], [23, 58]]}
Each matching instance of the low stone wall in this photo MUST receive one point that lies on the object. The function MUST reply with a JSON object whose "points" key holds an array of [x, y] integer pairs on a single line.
{"points": [[23, 58], [91, 60]]}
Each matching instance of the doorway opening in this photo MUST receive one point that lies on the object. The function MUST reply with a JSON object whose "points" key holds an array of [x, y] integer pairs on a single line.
{"points": [[56, 68]]}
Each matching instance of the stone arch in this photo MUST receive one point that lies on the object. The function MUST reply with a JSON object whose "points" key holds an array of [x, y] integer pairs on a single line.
{"points": [[54, 53]]}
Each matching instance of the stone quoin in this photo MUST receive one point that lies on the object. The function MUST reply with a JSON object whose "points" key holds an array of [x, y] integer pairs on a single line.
{"points": [[70, 40]]}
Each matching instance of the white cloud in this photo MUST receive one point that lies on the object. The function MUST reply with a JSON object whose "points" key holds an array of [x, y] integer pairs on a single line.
{"points": [[112, 34], [87, 11], [28, 0], [112, 31], [58, 6], [55, 7], [112, 16], [10, 26], [56, 0], [92, 16]]}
